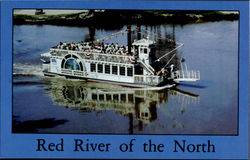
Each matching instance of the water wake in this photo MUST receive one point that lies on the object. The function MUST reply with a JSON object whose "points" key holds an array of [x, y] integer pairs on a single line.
{"points": [[27, 70]]}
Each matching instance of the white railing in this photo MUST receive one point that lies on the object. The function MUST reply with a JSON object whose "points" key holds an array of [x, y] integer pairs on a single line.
{"points": [[108, 58], [150, 80], [59, 52], [186, 75], [94, 55]]}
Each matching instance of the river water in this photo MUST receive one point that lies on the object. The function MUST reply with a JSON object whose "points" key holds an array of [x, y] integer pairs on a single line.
{"points": [[209, 106]]}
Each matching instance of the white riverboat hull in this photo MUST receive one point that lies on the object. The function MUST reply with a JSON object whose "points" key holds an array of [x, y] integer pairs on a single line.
{"points": [[125, 84]]}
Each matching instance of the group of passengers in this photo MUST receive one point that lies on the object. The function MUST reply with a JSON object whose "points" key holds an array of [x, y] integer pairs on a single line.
{"points": [[104, 48]]}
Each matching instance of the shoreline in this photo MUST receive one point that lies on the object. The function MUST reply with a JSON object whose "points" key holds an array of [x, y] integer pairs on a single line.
{"points": [[106, 18]]}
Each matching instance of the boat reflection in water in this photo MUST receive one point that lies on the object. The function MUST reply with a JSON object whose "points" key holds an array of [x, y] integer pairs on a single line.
{"points": [[135, 103]]}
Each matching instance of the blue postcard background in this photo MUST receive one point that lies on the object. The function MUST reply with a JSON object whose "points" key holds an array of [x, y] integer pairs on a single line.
{"points": [[24, 145]]}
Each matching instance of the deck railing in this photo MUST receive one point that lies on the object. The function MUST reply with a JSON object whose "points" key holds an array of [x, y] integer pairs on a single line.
{"points": [[92, 55], [187, 75], [151, 80], [108, 57]]}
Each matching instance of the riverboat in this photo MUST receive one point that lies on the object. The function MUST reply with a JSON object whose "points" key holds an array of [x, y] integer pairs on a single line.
{"points": [[112, 63]]}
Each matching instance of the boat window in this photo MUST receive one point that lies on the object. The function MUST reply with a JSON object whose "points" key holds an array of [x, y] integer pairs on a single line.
{"points": [[114, 69], [122, 71], [138, 70], [100, 68], [131, 98], [123, 97], [62, 64], [152, 49], [81, 67], [74, 56], [107, 69], [115, 97], [145, 114], [93, 67], [68, 56], [101, 97], [71, 64], [145, 50], [108, 97], [141, 50], [94, 96], [130, 71]]}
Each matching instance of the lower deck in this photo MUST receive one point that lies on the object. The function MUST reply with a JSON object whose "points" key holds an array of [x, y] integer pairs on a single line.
{"points": [[138, 81], [101, 70]]}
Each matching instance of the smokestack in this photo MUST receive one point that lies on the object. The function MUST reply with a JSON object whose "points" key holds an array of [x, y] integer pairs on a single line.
{"points": [[138, 31], [129, 39]]}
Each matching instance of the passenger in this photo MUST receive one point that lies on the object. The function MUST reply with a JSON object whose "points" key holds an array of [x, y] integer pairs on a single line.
{"points": [[136, 53], [116, 46], [106, 45], [100, 48], [103, 50], [80, 47]]}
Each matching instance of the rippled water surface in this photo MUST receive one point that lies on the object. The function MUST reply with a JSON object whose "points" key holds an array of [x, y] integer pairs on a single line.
{"points": [[210, 106]]}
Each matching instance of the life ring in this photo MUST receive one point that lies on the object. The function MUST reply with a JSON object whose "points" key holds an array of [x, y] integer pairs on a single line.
{"points": [[86, 74], [132, 60]]}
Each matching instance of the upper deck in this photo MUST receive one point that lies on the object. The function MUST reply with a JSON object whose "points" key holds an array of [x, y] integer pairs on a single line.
{"points": [[110, 53], [93, 56]]}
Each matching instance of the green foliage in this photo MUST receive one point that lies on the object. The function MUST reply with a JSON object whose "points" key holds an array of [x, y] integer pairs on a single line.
{"points": [[126, 17]]}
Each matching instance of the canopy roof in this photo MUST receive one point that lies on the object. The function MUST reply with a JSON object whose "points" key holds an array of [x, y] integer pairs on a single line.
{"points": [[143, 42]]}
